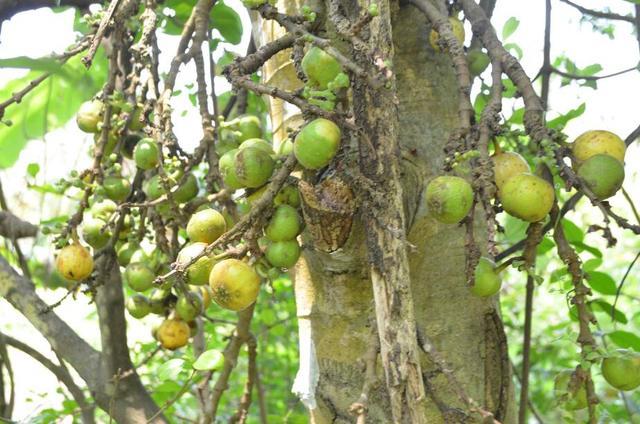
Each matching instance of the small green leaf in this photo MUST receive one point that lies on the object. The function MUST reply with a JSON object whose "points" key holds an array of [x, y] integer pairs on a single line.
{"points": [[169, 370], [227, 22], [625, 339], [592, 264], [602, 283], [209, 360], [509, 27], [561, 121], [572, 231], [606, 307], [33, 169]]}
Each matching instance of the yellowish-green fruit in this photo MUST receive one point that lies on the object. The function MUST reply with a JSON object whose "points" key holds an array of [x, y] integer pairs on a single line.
{"points": [[74, 262], [187, 190], [458, 32], [116, 188], [125, 252], [138, 306], [487, 281], [145, 154], [285, 148], [206, 226], [527, 197], [93, 234], [478, 61], [317, 143], [573, 396], [283, 254], [603, 174], [248, 127], [288, 195], [159, 300], [449, 198], [139, 276], [507, 165], [597, 142], [173, 333], [253, 167], [89, 116], [256, 195], [227, 166], [622, 370], [234, 284], [189, 307], [320, 67], [136, 124], [198, 273], [104, 209], [284, 224], [205, 293], [258, 143], [228, 141]]}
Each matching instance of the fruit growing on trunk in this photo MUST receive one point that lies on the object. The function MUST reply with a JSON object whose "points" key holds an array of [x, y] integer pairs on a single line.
{"points": [[571, 393], [622, 370], [487, 280], [139, 276], [103, 209], [145, 154], [253, 167], [93, 234], [188, 307], [527, 197], [259, 144], [138, 306], [116, 188], [234, 284], [89, 116], [125, 252], [206, 226], [74, 262], [283, 254], [284, 224], [320, 67], [603, 174], [449, 198], [248, 126], [198, 273], [507, 165], [317, 143], [458, 32], [227, 166], [597, 142], [173, 333]]}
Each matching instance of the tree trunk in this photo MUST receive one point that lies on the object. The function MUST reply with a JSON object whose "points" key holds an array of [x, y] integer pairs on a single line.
{"points": [[334, 295]]}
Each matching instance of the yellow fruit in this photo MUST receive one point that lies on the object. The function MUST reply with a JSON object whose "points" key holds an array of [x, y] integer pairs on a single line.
{"points": [[449, 198], [74, 262], [622, 370], [598, 142], [603, 174], [234, 284], [173, 333], [527, 197], [458, 31], [507, 165], [206, 226]]}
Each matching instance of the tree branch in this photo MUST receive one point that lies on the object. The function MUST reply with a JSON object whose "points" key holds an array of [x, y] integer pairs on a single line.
{"points": [[598, 13]]}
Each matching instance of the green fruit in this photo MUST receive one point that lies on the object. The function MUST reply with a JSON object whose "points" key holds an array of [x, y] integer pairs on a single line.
{"points": [[206, 226], [527, 197], [285, 148], [253, 167], [449, 198], [198, 273], [478, 61], [573, 398], [603, 174], [158, 299], [139, 255], [153, 188], [136, 124], [116, 188], [227, 167], [317, 143], [284, 224], [234, 284], [622, 370], [89, 116], [93, 234], [487, 281], [138, 306], [74, 262], [189, 307], [283, 254], [597, 142], [507, 165], [104, 209], [129, 144], [258, 143], [110, 145], [288, 195], [320, 67], [248, 127], [188, 190], [228, 141], [125, 253], [146, 154], [139, 276]]}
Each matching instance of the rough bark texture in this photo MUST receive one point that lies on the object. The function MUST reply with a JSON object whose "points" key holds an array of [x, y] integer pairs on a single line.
{"points": [[334, 292]]}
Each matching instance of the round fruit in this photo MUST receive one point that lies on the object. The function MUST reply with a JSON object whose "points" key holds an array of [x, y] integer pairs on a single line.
{"points": [[458, 32], [228, 141], [254, 196], [173, 333], [116, 188], [603, 174], [125, 253], [129, 144], [507, 165], [478, 61], [74, 262], [227, 167], [139, 276], [206, 226], [487, 281], [284, 224], [188, 190], [253, 167], [93, 234], [449, 198], [283, 254], [234, 284], [146, 154], [158, 299], [622, 370], [288, 195], [317, 143], [189, 307], [138, 306], [205, 294], [248, 126], [597, 142], [198, 273], [573, 398], [285, 148], [103, 209], [259, 144], [527, 197], [136, 124], [320, 67], [89, 116]]}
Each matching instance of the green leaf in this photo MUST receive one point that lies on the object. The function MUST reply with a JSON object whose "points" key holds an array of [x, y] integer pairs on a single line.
{"points": [[625, 339], [545, 245], [33, 169], [209, 360], [169, 370], [509, 27], [35, 64], [585, 247], [591, 70], [561, 121], [227, 22], [592, 264], [602, 283], [606, 307], [573, 233]]}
